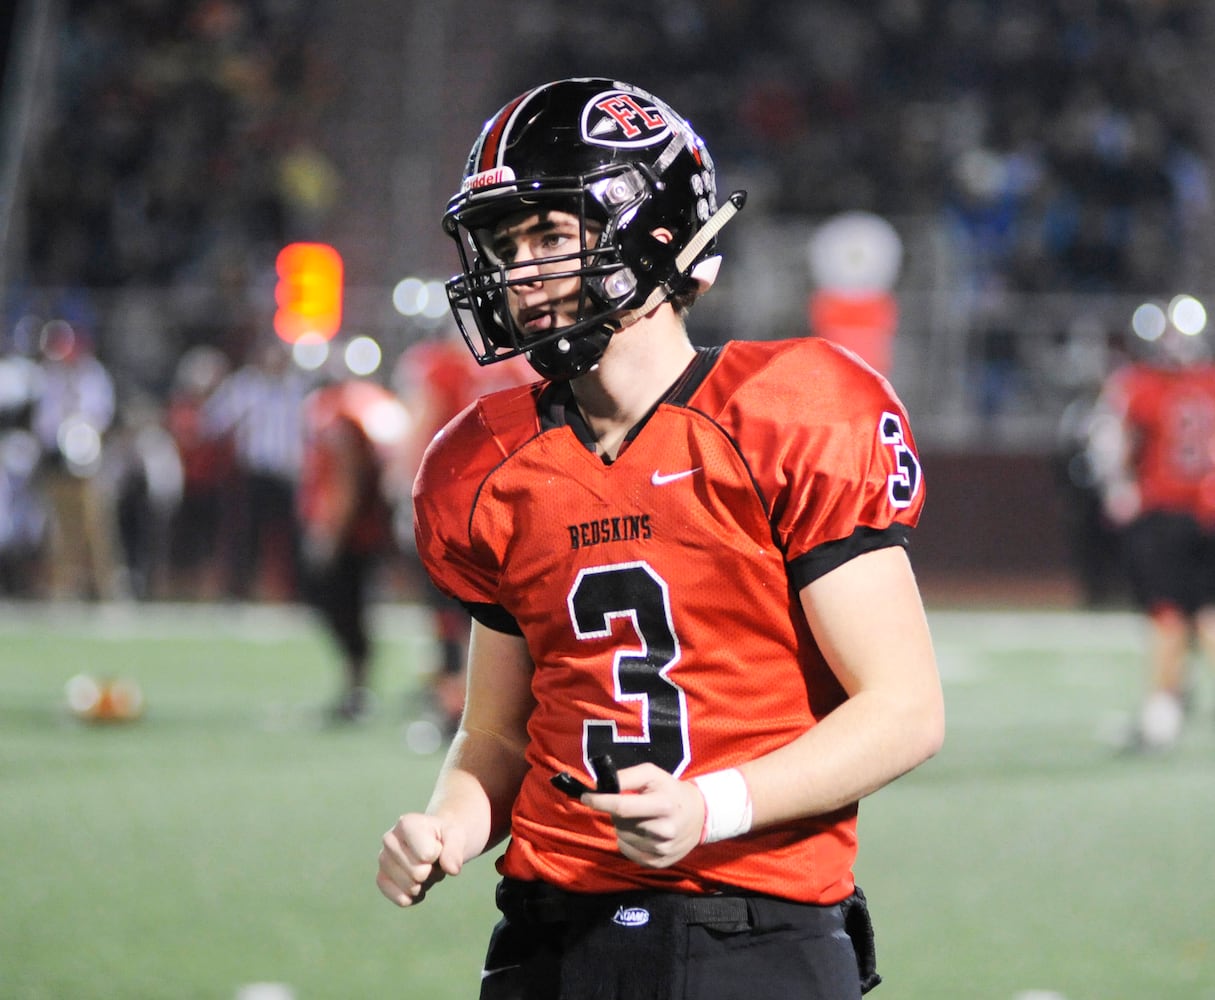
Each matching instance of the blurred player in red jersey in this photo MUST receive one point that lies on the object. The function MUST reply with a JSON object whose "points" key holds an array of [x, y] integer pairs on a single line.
{"points": [[1152, 446], [352, 429], [688, 576], [436, 379]]}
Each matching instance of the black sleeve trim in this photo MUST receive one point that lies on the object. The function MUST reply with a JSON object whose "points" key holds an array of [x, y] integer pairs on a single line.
{"points": [[493, 616], [831, 555]]}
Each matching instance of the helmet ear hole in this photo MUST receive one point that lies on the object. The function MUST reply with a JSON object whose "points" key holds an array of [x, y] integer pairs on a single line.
{"points": [[651, 257]]}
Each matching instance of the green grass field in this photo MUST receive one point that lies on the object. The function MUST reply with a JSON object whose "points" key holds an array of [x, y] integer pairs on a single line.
{"points": [[227, 838]]}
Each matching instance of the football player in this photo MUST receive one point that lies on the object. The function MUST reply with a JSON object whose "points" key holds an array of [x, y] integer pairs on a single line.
{"points": [[1152, 447], [352, 429], [697, 638]]}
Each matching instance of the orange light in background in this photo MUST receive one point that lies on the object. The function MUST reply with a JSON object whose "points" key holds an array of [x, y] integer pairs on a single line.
{"points": [[309, 291]]}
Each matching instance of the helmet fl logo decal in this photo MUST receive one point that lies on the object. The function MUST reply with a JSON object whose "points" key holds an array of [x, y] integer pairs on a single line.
{"points": [[619, 119]]}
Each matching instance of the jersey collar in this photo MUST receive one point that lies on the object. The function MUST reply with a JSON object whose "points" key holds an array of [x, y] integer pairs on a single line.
{"points": [[558, 408]]}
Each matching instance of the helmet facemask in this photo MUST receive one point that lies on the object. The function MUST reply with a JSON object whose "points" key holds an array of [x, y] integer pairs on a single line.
{"points": [[604, 205]]}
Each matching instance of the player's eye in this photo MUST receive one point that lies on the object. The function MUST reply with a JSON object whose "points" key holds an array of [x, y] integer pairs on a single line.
{"points": [[554, 242]]}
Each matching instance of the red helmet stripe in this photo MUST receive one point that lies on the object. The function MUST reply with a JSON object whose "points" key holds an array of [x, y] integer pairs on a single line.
{"points": [[492, 142]]}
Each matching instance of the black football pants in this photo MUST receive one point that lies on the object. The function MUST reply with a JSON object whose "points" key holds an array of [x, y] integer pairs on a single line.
{"points": [[658, 946]]}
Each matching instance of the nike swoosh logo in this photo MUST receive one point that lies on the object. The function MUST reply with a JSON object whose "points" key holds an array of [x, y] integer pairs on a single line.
{"points": [[661, 479]]}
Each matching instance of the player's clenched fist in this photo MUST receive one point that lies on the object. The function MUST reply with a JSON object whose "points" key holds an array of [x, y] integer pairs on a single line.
{"points": [[417, 853]]}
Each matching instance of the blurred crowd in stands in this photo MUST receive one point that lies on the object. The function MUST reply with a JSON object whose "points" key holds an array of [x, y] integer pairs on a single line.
{"points": [[176, 156], [1060, 138], [1059, 142]]}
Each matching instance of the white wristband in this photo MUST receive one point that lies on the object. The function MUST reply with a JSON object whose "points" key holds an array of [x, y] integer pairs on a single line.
{"points": [[727, 805]]}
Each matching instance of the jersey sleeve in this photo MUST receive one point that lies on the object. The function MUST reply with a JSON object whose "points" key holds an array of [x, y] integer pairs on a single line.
{"points": [[453, 468], [453, 472], [832, 450]]}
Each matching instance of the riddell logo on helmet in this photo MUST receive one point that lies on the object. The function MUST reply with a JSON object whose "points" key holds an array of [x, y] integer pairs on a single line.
{"points": [[487, 178], [619, 119]]}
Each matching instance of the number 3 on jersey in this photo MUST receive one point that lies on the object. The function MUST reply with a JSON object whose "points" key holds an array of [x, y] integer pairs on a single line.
{"points": [[634, 591], [901, 486]]}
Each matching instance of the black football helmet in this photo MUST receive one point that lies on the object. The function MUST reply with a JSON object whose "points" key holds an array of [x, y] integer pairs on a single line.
{"points": [[613, 156]]}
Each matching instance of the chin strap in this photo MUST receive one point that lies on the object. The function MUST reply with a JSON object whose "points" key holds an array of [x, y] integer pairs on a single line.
{"points": [[684, 259]]}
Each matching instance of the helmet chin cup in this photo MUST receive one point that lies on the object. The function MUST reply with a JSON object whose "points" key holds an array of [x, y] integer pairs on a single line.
{"points": [[566, 358]]}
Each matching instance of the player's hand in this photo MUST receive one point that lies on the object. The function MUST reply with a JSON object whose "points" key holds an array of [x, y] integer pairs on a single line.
{"points": [[418, 852], [657, 817]]}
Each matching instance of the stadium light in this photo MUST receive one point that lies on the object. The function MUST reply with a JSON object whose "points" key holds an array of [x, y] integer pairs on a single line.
{"points": [[310, 352], [414, 296], [1188, 315], [363, 356], [409, 296], [436, 300], [1149, 322]]}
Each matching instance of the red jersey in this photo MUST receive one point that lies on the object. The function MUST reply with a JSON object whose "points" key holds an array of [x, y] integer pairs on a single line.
{"points": [[439, 378], [1170, 414], [658, 594], [351, 430]]}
